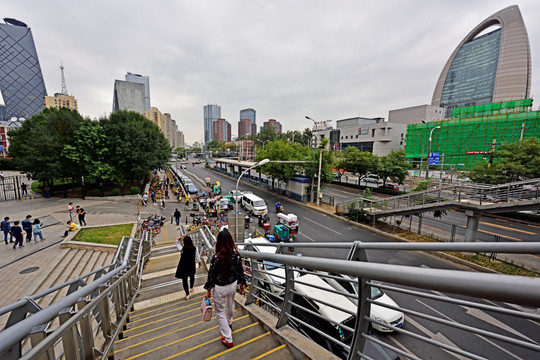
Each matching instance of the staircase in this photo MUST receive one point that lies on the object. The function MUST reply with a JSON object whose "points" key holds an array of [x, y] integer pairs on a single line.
{"points": [[163, 325]]}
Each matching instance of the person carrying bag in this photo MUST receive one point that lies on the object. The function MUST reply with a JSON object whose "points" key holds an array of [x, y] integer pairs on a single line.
{"points": [[186, 266], [225, 273]]}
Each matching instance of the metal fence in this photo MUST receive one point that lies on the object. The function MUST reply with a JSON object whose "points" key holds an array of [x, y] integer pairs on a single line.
{"points": [[480, 194], [85, 322], [479, 291]]}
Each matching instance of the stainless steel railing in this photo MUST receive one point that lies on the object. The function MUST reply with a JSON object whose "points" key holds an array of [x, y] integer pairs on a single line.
{"points": [[278, 295], [85, 322]]}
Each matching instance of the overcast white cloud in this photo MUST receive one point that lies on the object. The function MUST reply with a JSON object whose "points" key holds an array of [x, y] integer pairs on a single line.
{"points": [[284, 58]]}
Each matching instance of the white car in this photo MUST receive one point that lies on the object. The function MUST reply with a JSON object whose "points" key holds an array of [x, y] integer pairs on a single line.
{"points": [[274, 274], [235, 195], [390, 317]]}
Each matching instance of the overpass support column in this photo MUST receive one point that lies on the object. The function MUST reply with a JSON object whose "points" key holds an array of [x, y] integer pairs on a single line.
{"points": [[473, 218]]}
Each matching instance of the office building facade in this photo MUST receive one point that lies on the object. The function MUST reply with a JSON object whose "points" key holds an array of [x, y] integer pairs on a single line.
{"points": [[212, 112], [221, 130], [487, 67], [243, 128], [129, 96], [145, 80], [21, 80], [273, 123], [61, 101]]}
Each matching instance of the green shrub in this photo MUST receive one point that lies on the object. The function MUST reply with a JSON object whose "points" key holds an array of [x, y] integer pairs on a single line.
{"points": [[115, 192], [95, 192], [134, 190]]}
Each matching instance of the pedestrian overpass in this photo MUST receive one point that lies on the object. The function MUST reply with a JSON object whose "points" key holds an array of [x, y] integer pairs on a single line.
{"points": [[473, 199]]}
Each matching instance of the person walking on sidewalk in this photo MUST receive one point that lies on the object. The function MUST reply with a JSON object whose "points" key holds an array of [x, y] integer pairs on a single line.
{"points": [[71, 211], [5, 226], [36, 229], [145, 199], [177, 214], [186, 266], [27, 227], [17, 232], [224, 274], [82, 214]]}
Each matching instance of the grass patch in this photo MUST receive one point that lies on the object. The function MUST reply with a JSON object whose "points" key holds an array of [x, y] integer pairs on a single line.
{"points": [[104, 235]]}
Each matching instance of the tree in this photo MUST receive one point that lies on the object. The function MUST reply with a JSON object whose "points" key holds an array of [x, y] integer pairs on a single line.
{"points": [[393, 166], [284, 151], [511, 162], [135, 144], [358, 162], [38, 145]]}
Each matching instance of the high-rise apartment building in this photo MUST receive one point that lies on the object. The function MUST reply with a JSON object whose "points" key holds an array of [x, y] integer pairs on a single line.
{"points": [[140, 79], [61, 101], [21, 80], [487, 66], [273, 123], [212, 112], [129, 96], [221, 130]]}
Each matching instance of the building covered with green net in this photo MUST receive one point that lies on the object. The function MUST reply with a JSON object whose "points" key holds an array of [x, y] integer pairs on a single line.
{"points": [[471, 135]]}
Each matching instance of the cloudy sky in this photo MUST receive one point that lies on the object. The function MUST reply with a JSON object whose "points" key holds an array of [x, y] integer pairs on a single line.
{"points": [[285, 58]]}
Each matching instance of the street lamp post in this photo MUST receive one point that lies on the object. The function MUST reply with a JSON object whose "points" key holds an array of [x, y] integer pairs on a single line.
{"points": [[320, 163], [260, 163], [429, 149]]}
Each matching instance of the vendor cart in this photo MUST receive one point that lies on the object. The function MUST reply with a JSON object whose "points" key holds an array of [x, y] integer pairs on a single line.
{"points": [[290, 221], [281, 233], [207, 180]]}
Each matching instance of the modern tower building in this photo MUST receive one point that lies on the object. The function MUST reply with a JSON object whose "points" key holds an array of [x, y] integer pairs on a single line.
{"points": [[221, 130], [491, 64], [212, 112], [248, 123], [129, 96], [140, 79], [21, 80], [273, 123]]}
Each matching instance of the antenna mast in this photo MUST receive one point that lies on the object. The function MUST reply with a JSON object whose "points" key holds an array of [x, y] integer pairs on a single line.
{"points": [[64, 87]]}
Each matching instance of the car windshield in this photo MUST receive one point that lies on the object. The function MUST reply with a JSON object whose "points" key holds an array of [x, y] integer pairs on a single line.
{"points": [[258, 203]]}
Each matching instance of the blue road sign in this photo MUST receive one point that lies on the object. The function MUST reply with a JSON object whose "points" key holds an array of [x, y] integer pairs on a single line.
{"points": [[434, 158]]}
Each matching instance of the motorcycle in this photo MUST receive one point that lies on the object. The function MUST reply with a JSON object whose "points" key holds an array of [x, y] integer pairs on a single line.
{"points": [[247, 220], [279, 208]]}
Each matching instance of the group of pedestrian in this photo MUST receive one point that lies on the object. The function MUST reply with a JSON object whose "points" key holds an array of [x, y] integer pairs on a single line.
{"points": [[81, 214], [225, 273], [17, 230]]}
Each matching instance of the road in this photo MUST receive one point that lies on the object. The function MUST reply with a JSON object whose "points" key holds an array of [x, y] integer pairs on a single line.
{"points": [[318, 227]]}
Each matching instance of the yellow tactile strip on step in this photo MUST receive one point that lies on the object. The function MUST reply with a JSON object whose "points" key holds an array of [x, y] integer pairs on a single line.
{"points": [[156, 274], [198, 290]]}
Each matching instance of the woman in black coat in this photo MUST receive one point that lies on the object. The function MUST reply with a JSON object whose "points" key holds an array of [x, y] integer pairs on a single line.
{"points": [[186, 266]]}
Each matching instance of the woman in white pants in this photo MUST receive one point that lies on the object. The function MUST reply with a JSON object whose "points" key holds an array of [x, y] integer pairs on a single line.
{"points": [[224, 274]]}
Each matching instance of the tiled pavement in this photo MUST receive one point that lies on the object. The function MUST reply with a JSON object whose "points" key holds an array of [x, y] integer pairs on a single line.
{"points": [[45, 255]]}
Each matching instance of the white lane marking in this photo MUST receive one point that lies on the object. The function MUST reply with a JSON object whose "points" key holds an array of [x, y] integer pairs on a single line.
{"points": [[479, 314], [400, 345], [326, 227], [435, 311], [437, 337], [306, 236], [499, 347]]}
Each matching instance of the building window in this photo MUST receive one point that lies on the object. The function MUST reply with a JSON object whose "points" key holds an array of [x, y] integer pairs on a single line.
{"points": [[372, 132]]}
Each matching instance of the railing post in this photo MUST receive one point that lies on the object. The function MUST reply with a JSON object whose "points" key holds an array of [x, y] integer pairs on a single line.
{"points": [[38, 334], [362, 324], [104, 315], [254, 281], [453, 234], [87, 336], [288, 297], [70, 340]]}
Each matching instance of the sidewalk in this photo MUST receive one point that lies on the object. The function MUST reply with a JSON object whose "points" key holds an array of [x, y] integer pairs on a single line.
{"points": [[43, 256]]}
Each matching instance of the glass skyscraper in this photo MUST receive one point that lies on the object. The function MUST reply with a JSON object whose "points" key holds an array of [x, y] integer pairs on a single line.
{"points": [[140, 79], [211, 114], [491, 64], [21, 80]]}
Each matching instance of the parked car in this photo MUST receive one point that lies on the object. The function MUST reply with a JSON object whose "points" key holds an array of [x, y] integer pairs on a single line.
{"points": [[370, 180], [192, 189], [273, 274], [390, 186]]}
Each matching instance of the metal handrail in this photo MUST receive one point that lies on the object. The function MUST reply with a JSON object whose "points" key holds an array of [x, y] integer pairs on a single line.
{"points": [[517, 290], [117, 287]]}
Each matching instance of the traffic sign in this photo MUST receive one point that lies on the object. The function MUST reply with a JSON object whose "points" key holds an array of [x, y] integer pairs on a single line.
{"points": [[434, 158]]}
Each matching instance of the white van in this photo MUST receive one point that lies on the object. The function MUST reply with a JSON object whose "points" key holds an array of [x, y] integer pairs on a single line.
{"points": [[254, 204]]}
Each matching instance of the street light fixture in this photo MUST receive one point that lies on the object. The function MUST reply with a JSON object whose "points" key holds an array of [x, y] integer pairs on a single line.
{"points": [[260, 163], [429, 149]]}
